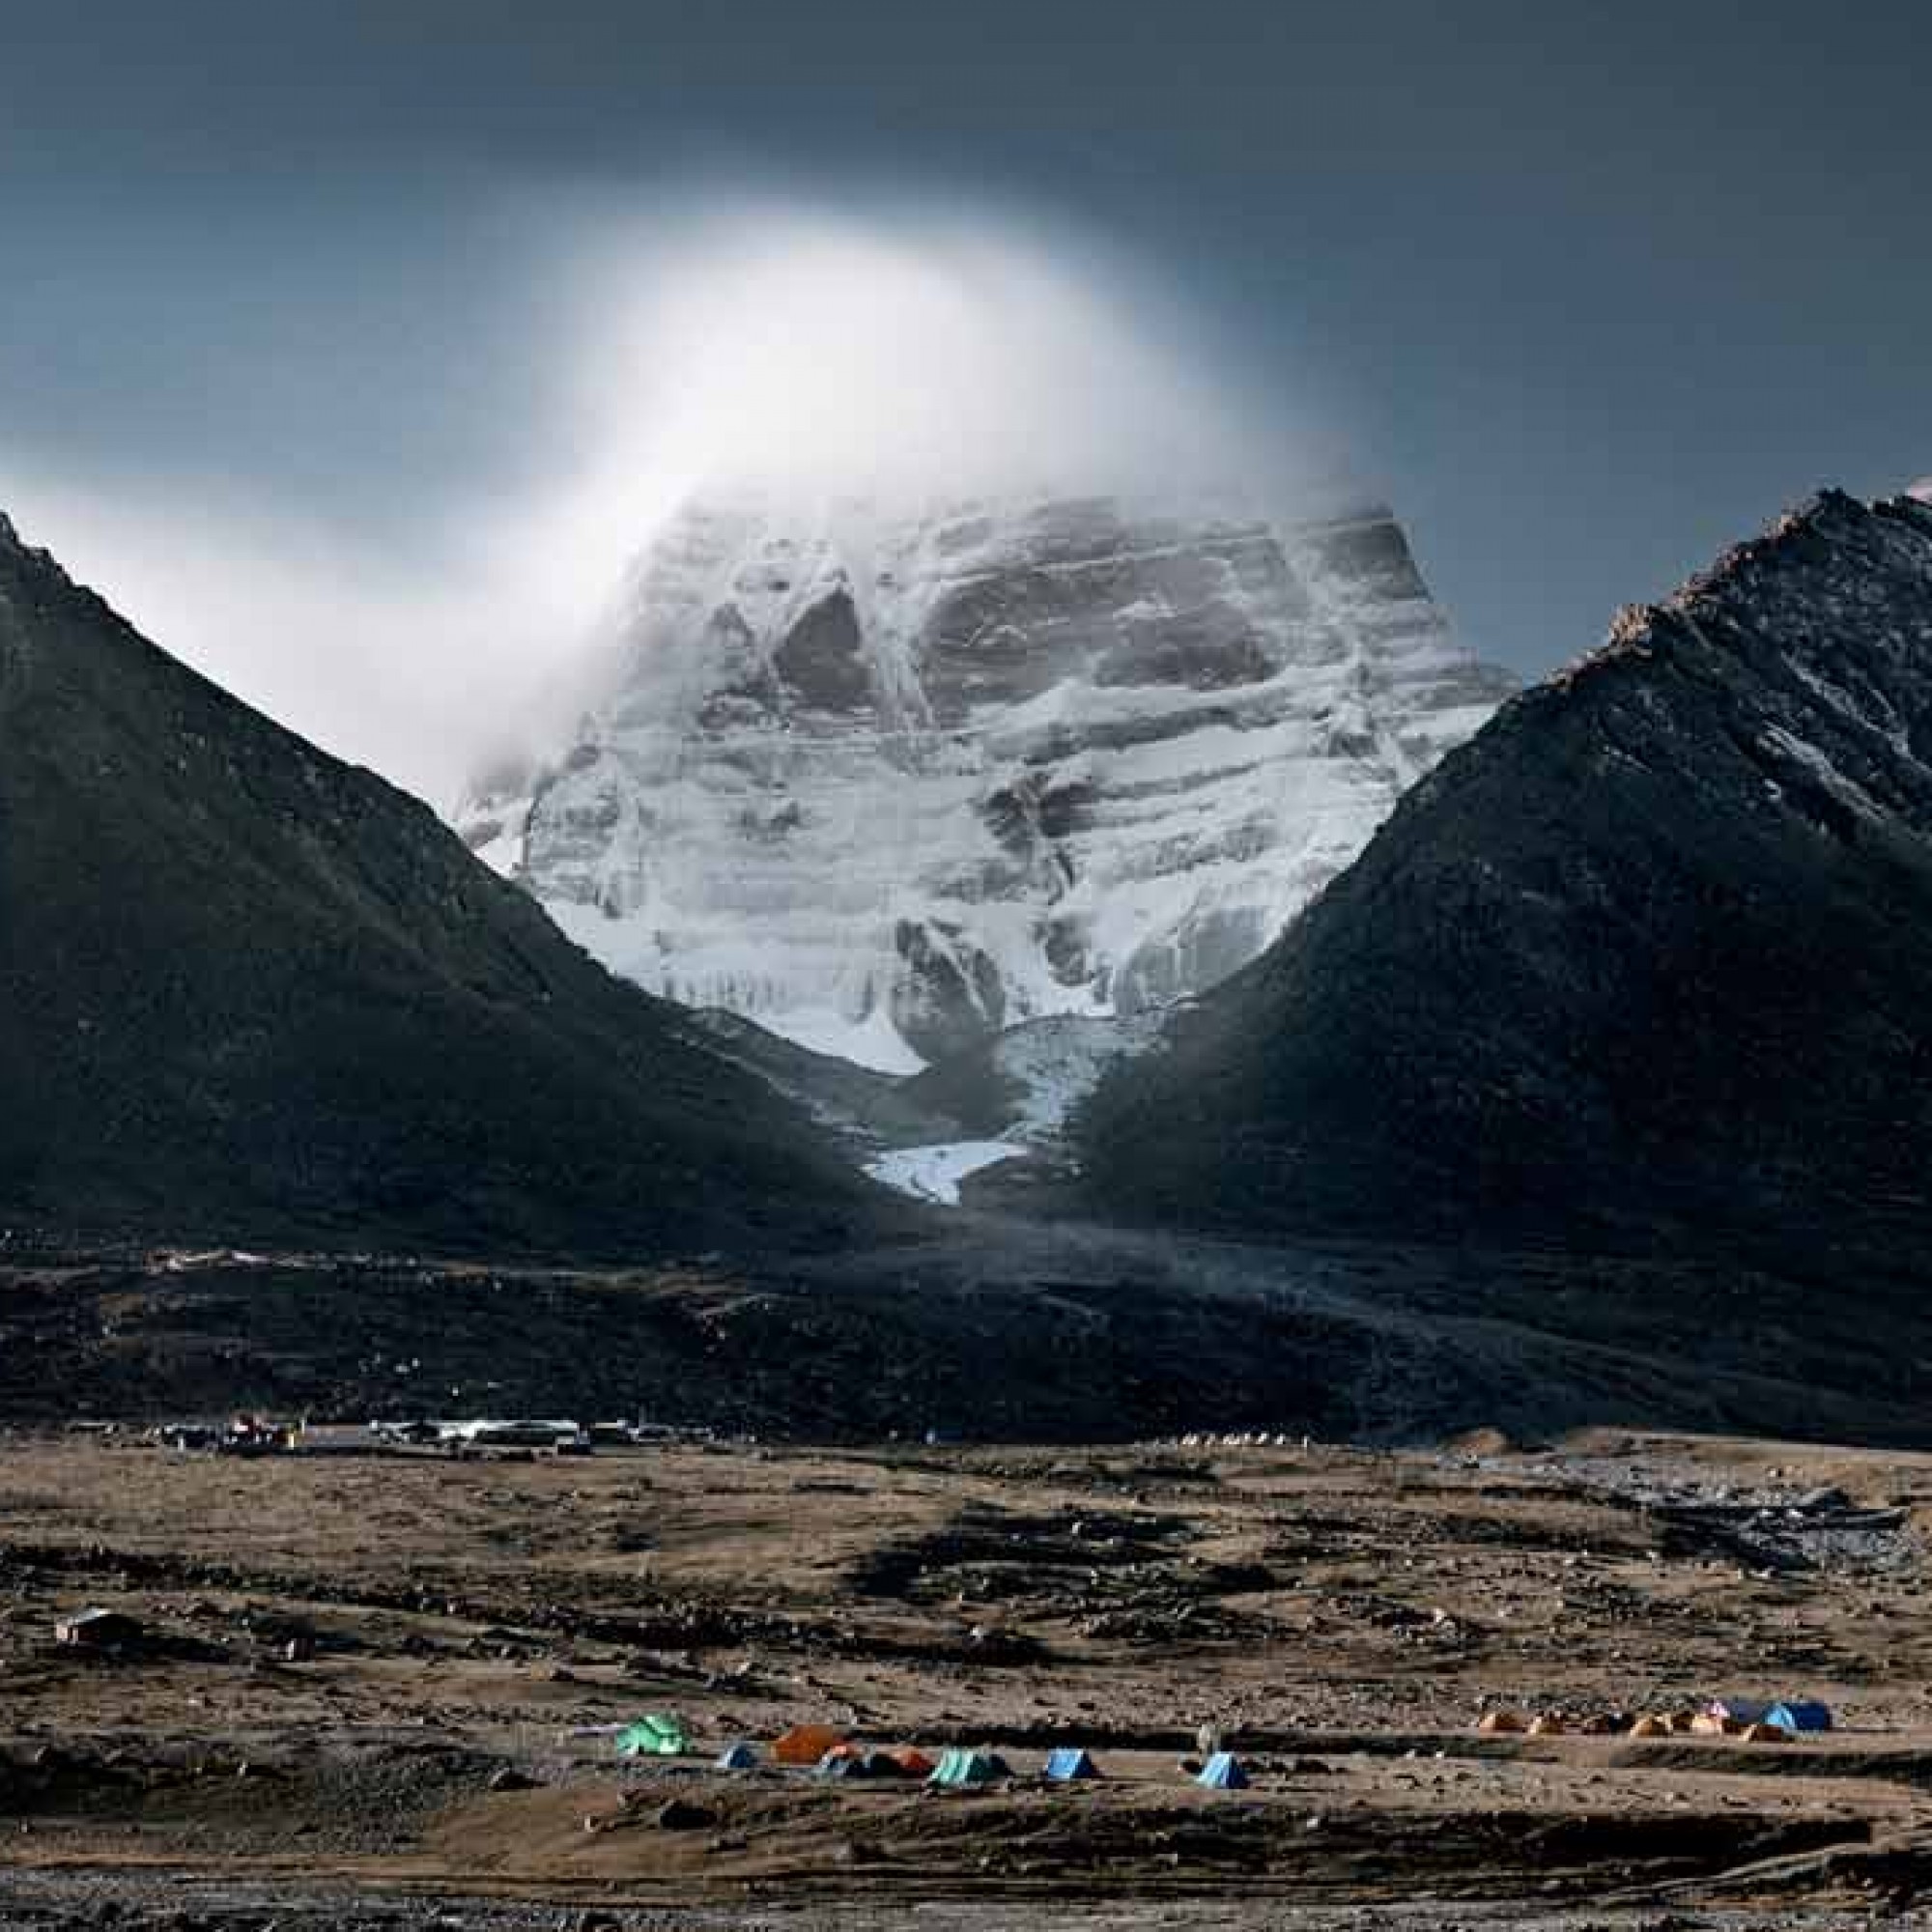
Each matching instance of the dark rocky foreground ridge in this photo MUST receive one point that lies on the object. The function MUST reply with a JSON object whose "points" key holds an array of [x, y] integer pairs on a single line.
{"points": [[1647, 962], [251, 993]]}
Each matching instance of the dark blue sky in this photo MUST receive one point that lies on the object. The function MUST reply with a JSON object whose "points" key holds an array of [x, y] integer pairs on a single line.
{"points": [[1591, 289]]}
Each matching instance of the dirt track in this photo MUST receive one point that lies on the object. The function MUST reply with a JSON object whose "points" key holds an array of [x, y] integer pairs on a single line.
{"points": [[345, 1654]]}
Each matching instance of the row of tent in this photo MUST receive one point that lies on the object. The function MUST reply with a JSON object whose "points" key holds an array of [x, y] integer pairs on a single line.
{"points": [[1755, 1719], [827, 1750]]}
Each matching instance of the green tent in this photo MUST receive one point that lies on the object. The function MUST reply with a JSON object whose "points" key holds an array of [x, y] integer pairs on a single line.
{"points": [[960, 1766], [656, 1735]]}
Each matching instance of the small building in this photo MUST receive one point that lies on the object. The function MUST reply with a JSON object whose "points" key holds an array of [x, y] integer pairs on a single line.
{"points": [[98, 1630], [558, 1436]]}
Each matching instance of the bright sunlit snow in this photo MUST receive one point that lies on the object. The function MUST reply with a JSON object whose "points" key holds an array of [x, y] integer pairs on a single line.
{"points": [[934, 1173]]}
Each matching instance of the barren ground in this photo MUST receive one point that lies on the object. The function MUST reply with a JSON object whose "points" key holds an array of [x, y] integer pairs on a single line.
{"points": [[1345, 1615]]}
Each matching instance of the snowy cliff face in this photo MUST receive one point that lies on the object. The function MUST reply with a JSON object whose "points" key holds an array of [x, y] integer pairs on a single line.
{"points": [[891, 782]]}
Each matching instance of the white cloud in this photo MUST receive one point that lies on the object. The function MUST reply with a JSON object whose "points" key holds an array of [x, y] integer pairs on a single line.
{"points": [[904, 352], [406, 663]]}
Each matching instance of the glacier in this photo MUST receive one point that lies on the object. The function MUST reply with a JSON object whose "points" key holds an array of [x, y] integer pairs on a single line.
{"points": [[890, 777]]}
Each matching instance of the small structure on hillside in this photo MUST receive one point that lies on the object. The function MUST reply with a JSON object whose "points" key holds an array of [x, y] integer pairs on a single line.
{"points": [[98, 1630], [558, 1434]]}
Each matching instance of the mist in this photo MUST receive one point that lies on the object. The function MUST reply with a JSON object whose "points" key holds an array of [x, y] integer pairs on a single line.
{"points": [[746, 342]]}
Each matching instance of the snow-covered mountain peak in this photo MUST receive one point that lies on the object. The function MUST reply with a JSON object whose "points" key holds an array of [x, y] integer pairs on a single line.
{"points": [[889, 777]]}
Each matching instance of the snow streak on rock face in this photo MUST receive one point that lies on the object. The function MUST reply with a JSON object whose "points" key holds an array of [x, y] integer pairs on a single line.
{"points": [[891, 782]]}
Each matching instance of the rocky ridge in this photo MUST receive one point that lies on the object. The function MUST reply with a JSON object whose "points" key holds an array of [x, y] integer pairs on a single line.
{"points": [[1646, 961], [249, 993]]}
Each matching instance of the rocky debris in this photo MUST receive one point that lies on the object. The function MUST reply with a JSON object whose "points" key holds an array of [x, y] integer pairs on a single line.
{"points": [[684, 1814], [1338, 1718], [1768, 1527]]}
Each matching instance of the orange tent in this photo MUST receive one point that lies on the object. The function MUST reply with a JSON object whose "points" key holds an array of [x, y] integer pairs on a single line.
{"points": [[912, 1761], [807, 1743]]}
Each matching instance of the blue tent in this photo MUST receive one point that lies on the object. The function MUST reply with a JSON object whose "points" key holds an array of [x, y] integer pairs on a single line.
{"points": [[737, 1757], [1799, 1714], [1070, 1763], [1223, 1772]]}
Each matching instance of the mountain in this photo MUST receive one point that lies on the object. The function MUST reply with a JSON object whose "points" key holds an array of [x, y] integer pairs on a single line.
{"points": [[1648, 960], [888, 778], [251, 993]]}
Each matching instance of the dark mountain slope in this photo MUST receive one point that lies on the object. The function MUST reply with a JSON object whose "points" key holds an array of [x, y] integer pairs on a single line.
{"points": [[1649, 959], [249, 992]]}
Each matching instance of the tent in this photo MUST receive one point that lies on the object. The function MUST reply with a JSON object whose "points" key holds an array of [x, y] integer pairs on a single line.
{"points": [[849, 1761], [959, 1766], [1070, 1763], [1739, 1709], [1799, 1714], [1223, 1772], [740, 1756], [656, 1735], [807, 1743], [911, 1761]]}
